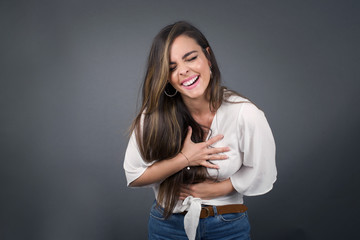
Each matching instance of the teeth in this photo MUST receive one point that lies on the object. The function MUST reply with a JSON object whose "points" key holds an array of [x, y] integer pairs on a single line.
{"points": [[191, 81]]}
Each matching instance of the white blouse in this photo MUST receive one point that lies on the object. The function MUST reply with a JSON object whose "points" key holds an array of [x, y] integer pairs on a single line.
{"points": [[250, 166]]}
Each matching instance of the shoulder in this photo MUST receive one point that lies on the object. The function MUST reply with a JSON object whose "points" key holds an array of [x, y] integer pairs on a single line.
{"points": [[233, 97], [243, 109], [231, 108], [234, 103]]}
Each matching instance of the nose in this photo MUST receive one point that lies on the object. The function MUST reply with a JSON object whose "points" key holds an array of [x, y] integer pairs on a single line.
{"points": [[183, 70]]}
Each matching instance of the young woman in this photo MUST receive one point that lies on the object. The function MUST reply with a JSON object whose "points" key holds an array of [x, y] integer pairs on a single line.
{"points": [[200, 146]]}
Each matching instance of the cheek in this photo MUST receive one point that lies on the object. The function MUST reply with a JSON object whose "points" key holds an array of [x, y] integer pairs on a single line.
{"points": [[204, 70], [173, 79], [198, 66], [203, 67]]}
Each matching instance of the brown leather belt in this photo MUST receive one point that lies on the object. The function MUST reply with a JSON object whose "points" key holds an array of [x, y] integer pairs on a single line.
{"points": [[208, 211]]}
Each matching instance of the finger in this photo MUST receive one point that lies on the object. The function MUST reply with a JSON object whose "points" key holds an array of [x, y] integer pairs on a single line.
{"points": [[218, 150], [185, 191], [217, 157], [209, 165], [182, 196], [214, 140]]}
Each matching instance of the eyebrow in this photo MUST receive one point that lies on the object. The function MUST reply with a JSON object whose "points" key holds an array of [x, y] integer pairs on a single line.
{"points": [[185, 55]]}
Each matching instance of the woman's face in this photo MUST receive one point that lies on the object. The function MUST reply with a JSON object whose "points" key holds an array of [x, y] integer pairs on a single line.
{"points": [[189, 68]]}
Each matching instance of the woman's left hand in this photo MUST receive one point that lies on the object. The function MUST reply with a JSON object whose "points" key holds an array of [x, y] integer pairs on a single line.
{"points": [[206, 190]]}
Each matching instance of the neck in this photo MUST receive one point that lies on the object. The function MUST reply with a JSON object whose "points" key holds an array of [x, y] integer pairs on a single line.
{"points": [[200, 110], [199, 106]]}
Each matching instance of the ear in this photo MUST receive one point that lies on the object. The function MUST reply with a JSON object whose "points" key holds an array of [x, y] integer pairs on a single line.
{"points": [[208, 51]]}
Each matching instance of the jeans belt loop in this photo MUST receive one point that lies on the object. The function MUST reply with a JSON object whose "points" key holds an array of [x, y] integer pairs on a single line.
{"points": [[215, 211]]}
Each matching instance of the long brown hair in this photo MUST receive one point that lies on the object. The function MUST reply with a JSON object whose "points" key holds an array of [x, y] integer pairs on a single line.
{"points": [[162, 123]]}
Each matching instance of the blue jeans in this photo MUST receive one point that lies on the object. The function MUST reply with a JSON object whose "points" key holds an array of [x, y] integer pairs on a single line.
{"points": [[219, 227]]}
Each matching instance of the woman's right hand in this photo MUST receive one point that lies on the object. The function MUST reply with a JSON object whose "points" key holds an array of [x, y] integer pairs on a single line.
{"points": [[199, 153]]}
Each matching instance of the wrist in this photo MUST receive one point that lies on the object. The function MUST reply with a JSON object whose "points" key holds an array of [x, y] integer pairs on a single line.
{"points": [[187, 159]]}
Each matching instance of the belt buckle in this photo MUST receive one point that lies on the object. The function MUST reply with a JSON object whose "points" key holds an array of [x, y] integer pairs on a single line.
{"points": [[207, 212]]}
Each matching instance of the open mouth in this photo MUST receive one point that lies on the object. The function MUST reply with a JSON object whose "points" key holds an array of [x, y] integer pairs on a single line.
{"points": [[191, 81]]}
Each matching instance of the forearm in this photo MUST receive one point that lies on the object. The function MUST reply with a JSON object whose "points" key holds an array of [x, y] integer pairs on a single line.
{"points": [[207, 190], [160, 171], [224, 188], [219, 189]]}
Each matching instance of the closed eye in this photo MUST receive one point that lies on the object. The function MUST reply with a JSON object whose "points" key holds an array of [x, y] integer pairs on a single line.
{"points": [[192, 59], [188, 60]]}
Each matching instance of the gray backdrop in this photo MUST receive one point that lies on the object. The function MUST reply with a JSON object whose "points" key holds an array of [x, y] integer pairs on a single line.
{"points": [[70, 76]]}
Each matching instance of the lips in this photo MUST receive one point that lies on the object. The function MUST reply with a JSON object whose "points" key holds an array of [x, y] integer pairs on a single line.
{"points": [[191, 81]]}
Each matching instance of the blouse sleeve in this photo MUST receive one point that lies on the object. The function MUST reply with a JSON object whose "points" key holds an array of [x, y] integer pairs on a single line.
{"points": [[258, 172], [134, 165]]}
